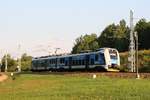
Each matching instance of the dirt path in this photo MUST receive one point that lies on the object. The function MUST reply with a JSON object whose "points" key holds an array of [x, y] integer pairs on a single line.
{"points": [[3, 77]]}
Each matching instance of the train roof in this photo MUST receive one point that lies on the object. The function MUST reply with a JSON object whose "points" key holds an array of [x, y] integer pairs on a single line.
{"points": [[71, 55]]}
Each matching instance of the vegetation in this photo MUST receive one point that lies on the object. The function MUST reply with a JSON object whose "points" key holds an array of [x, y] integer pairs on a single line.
{"points": [[87, 42], [115, 36], [143, 30], [73, 87], [12, 63], [143, 61]]}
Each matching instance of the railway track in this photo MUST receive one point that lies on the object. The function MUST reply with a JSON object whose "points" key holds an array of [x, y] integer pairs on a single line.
{"points": [[99, 74]]}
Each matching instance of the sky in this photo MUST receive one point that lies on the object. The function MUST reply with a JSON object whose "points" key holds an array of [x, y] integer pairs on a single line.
{"points": [[40, 26]]}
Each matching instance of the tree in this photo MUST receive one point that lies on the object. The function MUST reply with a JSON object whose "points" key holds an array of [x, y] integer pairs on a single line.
{"points": [[11, 63], [143, 30], [115, 36], [86, 42], [106, 39], [25, 62]]}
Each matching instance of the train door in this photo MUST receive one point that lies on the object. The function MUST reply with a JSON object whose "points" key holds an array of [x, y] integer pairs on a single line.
{"points": [[87, 61]]}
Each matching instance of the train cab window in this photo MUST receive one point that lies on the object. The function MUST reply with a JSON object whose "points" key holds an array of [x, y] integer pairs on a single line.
{"points": [[96, 57]]}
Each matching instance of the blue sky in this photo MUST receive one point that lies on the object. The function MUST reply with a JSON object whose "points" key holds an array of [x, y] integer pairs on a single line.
{"points": [[42, 25]]}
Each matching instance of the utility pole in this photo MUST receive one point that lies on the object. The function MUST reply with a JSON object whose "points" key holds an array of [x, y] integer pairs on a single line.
{"points": [[131, 57], [19, 58], [0, 65], [6, 63], [137, 69]]}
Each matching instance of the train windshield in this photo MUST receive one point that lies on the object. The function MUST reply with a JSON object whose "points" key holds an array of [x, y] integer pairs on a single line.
{"points": [[113, 54]]}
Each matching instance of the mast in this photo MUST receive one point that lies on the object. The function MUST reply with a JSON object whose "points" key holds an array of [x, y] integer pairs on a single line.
{"points": [[131, 58]]}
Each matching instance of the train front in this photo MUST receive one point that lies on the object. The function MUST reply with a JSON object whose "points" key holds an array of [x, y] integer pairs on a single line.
{"points": [[112, 59]]}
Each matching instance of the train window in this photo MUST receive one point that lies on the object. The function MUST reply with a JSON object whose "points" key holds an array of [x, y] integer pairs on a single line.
{"points": [[83, 62], [62, 60], [43, 64], [46, 63], [79, 62], [96, 57], [66, 63], [113, 54], [53, 61], [76, 62], [50, 61], [35, 63], [102, 59], [92, 61], [72, 62]]}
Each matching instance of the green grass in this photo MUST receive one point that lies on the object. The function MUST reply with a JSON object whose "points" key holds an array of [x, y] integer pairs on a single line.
{"points": [[73, 87]]}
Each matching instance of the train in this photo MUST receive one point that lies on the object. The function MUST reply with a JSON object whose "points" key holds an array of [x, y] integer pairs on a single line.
{"points": [[102, 59]]}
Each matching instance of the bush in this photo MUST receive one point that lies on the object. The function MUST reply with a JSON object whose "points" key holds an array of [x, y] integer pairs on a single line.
{"points": [[143, 61]]}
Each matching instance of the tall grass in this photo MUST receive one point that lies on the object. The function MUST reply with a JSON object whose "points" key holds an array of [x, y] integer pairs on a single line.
{"points": [[74, 87]]}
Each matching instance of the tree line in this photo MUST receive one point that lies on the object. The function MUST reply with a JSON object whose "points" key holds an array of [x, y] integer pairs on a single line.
{"points": [[114, 36], [12, 63]]}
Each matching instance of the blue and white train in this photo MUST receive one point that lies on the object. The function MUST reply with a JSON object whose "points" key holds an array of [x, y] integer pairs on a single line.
{"points": [[102, 59]]}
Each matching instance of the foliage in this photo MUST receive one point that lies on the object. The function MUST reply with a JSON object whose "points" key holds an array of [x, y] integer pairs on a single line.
{"points": [[143, 61], [143, 30], [25, 62], [12, 63], [115, 36], [86, 42]]}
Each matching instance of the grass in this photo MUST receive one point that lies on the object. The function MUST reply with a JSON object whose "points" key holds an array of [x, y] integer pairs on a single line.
{"points": [[73, 87]]}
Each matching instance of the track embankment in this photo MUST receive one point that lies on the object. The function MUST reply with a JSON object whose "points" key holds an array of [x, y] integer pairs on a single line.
{"points": [[3, 77], [109, 74]]}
